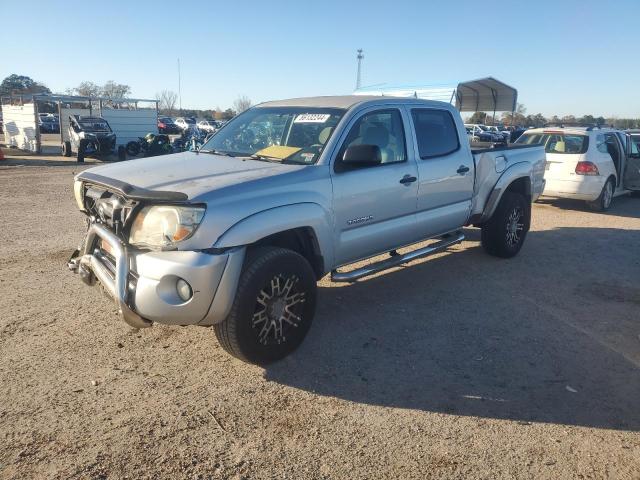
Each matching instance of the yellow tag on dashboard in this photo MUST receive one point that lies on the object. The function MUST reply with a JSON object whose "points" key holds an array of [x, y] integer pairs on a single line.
{"points": [[278, 151]]}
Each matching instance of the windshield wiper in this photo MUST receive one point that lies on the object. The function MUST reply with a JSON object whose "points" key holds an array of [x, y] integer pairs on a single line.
{"points": [[266, 158], [218, 152]]}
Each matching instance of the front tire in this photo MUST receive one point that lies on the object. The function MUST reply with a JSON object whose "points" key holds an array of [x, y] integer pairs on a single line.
{"points": [[603, 202], [503, 235], [273, 308], [82, 145]]}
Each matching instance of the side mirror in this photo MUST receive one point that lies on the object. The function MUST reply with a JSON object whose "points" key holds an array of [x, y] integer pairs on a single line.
{"points": [[362, 155]]}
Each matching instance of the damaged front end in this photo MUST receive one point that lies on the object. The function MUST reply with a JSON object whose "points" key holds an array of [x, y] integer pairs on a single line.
{"points": [[104, 255]]}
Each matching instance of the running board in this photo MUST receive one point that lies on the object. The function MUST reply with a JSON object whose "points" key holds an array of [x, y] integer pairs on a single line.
{"points": [[395, 259]]}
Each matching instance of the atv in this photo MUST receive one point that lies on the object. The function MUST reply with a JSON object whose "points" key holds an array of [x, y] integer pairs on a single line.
{"points": [[91, 136], [150, 145]]}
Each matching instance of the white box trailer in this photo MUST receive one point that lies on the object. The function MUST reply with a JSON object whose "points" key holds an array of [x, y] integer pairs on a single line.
{"points": [[21, 127]]}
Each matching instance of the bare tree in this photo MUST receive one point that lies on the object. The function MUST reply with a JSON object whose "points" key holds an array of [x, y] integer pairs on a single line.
{"points": [[115, 90], [88, 89], [167, 100], [241, 104]]}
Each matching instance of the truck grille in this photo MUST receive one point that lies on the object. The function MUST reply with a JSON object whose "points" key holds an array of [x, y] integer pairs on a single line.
{"points": [[110, 209]]}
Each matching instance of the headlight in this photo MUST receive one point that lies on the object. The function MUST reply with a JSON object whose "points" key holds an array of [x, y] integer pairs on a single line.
{"points": [[78, 192], [164, 225]]}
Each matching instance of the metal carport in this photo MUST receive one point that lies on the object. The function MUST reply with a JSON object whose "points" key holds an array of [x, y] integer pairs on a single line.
{"points": [[482, 95], [485, 95]]}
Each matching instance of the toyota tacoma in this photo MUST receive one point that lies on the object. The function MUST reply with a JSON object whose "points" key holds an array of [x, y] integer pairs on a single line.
{"points": [[236, 234]]}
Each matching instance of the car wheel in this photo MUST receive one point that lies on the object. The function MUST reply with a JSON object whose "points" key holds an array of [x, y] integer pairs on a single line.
{"points": [[603, 202], [503, 235], [133, 149], [122, 153], [81, 148], [273, 307], [66, 149]]}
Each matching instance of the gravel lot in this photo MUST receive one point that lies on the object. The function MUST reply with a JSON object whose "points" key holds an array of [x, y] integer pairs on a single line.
{"points": [[461, 366]]}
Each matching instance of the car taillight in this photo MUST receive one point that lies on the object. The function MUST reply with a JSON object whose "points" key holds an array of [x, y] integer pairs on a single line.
{"points": [[586, 168]]}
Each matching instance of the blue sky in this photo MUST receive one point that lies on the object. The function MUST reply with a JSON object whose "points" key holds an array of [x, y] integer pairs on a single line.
{"points": [[564, 57]]}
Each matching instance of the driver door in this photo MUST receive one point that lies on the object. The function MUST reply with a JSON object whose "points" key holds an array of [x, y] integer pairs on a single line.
{"points": [[375, 206], [631, 179]]}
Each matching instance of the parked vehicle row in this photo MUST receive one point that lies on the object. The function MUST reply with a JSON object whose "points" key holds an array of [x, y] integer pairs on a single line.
{"points": [[48, 123], [180, 124]]}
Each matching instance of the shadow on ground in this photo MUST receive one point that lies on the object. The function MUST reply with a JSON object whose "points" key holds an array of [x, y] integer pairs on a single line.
{"points": [[622, 206], [467, 334]]}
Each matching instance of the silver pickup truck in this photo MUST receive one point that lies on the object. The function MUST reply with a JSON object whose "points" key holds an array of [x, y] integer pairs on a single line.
{"points": [[235, 236]]}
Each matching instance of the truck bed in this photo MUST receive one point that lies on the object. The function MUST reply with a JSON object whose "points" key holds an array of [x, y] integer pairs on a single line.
{"points": [[491, 163]]}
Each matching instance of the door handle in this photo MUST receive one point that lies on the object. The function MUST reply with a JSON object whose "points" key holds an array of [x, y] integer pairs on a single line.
{"points": [[407, 179], [462, 169]]}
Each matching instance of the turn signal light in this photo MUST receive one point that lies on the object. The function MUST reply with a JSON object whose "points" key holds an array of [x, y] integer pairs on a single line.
{"points": [[586, 168]]}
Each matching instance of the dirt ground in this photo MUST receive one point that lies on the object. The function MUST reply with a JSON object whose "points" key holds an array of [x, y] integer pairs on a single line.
{"points": [[457, 366]]}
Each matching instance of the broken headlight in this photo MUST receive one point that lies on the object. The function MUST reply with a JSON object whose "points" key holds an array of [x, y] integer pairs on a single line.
{"points": [[78, 193], [164, 225]]}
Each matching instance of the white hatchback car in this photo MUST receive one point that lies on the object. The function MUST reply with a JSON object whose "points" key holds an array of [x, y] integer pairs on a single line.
{"points": [[209, 126], [587, 163]]}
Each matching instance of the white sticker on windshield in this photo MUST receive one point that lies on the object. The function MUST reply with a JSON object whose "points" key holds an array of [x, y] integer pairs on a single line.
{"points": [[312, 118]]}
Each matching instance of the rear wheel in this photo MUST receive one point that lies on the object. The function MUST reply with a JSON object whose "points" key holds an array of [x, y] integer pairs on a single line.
{"points": [[603, 202], [273, 307], [503, 235], [66, 149]]}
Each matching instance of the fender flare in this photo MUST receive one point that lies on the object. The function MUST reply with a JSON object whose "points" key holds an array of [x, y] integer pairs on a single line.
{"points": [[279, 219], [510, 175]]}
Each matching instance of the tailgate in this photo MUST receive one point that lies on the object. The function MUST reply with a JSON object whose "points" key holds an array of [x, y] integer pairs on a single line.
{"points": [[561, 165]]}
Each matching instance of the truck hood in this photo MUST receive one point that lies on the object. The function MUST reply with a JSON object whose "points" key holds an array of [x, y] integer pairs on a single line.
{"points": [[193, 174]]}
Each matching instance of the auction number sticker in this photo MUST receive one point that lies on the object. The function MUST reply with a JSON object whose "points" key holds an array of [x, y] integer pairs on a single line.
{"points": [[312, 118]]}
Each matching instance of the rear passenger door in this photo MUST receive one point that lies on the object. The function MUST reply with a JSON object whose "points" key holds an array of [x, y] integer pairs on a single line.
{"points": [[445, 170], [374, 206]]}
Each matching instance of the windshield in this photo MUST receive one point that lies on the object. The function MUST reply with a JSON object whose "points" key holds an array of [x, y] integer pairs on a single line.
{"points": [[48, 119], [94, 125], [563, 143], [288, 134], [190, 121]]}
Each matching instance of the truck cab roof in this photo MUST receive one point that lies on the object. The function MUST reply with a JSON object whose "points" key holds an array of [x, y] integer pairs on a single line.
{"points": [[349, 101]]}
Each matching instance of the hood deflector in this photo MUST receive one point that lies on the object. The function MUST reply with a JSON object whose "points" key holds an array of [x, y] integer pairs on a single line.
{"points": [[131, 191]]}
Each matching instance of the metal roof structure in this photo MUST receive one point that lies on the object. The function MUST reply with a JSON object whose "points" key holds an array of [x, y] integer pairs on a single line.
{"points": [[481, 95], [46, 97], [485, 95]]}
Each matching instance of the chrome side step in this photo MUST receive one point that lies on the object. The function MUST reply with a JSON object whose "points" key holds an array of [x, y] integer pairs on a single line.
{"points": [[396, 259]]}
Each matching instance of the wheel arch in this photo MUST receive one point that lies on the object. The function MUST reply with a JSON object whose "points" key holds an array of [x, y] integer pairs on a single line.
{"points": [[304, 228], [518, 179]]}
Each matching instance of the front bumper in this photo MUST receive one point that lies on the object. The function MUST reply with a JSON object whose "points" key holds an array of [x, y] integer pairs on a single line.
{"points": [[143, 284]]}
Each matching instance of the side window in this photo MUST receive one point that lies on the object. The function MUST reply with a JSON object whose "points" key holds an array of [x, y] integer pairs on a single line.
{"points": [[435, 131], [601, 145], [383, 128], [635, 146]]}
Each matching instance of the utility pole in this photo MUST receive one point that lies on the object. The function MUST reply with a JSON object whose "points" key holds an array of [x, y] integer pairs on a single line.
{"points": [[179, 88], [360, 57]]}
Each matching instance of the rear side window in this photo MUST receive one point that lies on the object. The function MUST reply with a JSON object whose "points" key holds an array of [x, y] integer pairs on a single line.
{"points": [[435, 131], [563, 143]]}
